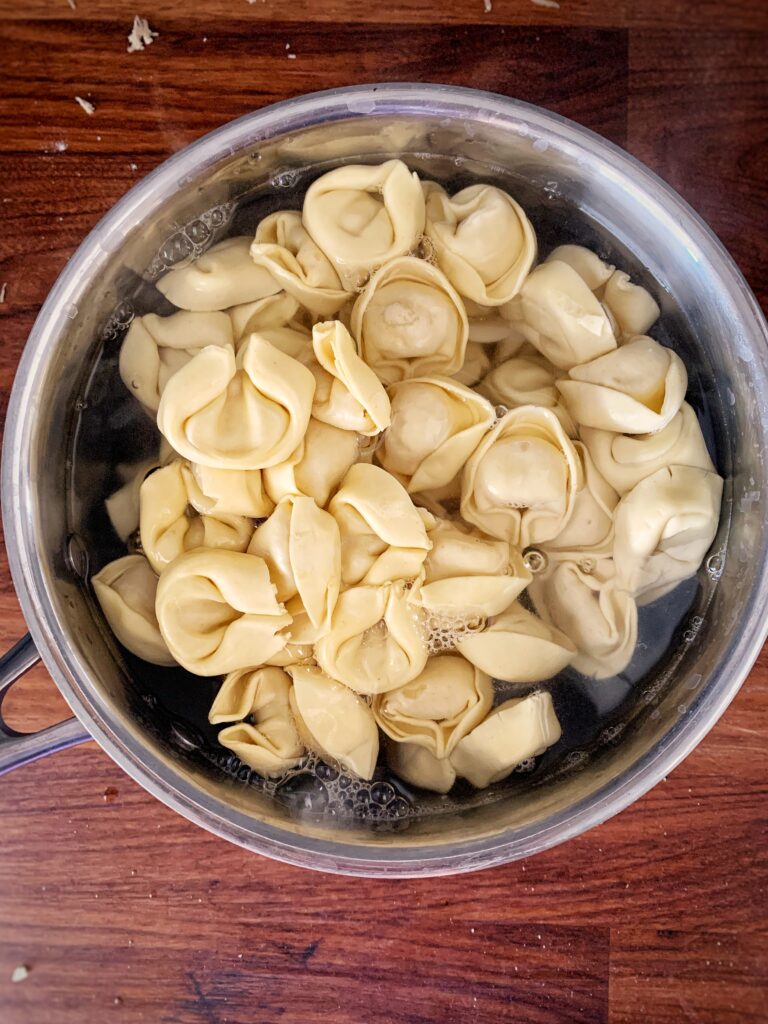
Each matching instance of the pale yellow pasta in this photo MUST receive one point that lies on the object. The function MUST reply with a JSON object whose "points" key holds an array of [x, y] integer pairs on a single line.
{"points": [[635, 390], [247, 412], [269, 741], [217, 612], [238, 492], [589, 530], [515, 731], [278, 310], [436, 425], [518, 647], [362, 216], [334, 721], [483, 241], [520, 483], [225, 276], [477, 363], [526, 380], [410, 321], [348, 393], [383, 534], [126, 590], [419, 766], [376, 641], [442, 704], [284, 248], [318, 465]]}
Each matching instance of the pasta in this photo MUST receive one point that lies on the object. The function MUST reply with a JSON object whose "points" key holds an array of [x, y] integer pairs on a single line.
{"points": [[436, 425], [126, 591], [403, 470], [361, 216], [410, 321]]}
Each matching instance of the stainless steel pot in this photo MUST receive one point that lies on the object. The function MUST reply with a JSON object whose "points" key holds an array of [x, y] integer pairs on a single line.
{"points": [[65, 416]]}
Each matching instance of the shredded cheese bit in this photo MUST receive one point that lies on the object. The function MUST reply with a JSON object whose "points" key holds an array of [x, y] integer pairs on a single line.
{"points": [[60, 146], [72, 4], [134, 167], [487, 6], [291, 56], [87, 106], [20, 973], [546, 3], [3, 289], [141, 35]]}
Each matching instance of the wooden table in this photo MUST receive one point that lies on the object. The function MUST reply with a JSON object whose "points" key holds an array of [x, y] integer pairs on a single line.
{"points": [[123, 911]]}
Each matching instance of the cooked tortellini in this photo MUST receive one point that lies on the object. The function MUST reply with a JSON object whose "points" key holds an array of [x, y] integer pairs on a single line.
{"points": [[166, 527], [243, 412], [126, 590], [559, 315], [515, 731], [598, 616], [300, 544], [155, 347], [436, 425], [348, 393], [469, 575], [483, 241], [334, 721], [265, 736], [664, 528], [518, 647], [383, 534], [526, 380], [521, 481], [635, 390], [376, 642], [218, 612], [318, 465], [284, 248], [362, 216], [225, 276], [410, 321], [438, 707], [624, 459], [400, 474]]}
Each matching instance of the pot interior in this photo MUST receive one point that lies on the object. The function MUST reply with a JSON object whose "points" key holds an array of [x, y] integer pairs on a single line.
{"points": [[88, 425]]}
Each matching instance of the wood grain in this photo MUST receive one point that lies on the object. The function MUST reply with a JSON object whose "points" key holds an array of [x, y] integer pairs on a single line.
{"points": [[124, 911]]}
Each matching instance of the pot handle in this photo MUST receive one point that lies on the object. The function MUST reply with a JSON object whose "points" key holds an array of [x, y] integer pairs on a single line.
{"points": [[18, 748]]}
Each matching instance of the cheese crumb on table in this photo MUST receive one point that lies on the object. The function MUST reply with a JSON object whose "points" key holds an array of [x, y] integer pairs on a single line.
{"points": [[487, 6], [87, 106], [141, 35], [546, 3], [3, 289], [20, 973]]}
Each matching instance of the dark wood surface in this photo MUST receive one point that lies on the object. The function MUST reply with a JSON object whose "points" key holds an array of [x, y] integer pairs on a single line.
{"points": [[123, 911]]}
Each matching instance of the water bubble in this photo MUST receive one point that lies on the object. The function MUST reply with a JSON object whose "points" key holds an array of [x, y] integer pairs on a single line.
{"points": [[71, 311], [399, 808], [76, 556], [217, 216], [362, 796], [326, 772], [588, 566], [285, 179], [714, 566], [535, 561], [197, 232], [177, 248], [689, 636], [185, 736], [304, 792], [500, 411], [382, 793]]}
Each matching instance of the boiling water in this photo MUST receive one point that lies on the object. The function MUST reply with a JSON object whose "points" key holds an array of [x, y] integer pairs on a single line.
{"points": [[112, 431]]}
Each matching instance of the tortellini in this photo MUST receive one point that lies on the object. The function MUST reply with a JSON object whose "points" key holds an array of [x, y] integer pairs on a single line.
{"points": [[514, 732], [593, 612], [436, 425], [483, 241], [300, 544], [526, 380], [167, 529], [155, 347], [237, 413], [402, 473], [284, 248], [469, 575], [624, 460], [635, 390], [268, 741], [318, 465], [225, 276], [218, 612], [664, 528], [438, 707], [558, 314], [383, 534], [126, 590], [376, 642], [334, 721], [362, 216], [348, 393], [410, 321], [518, 648], [520, 484]]}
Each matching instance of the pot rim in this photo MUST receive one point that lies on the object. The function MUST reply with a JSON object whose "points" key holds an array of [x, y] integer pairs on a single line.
{"points": [[68, 671]]}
